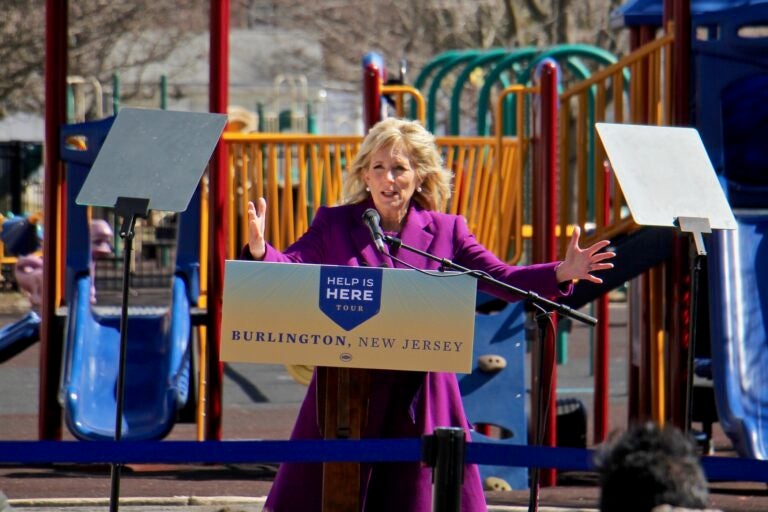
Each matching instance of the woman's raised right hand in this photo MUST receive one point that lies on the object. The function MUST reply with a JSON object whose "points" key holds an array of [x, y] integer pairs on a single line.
{"points": [[257, 222]]}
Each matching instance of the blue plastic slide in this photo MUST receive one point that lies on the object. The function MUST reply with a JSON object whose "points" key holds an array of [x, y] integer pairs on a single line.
{"points": [[18, 335], [738, 276], [157, 367]]}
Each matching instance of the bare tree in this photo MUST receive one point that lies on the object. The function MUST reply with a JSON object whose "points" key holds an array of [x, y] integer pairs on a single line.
{"points": [[21, 55], [420, 29], [104, 37], [107, 36]]}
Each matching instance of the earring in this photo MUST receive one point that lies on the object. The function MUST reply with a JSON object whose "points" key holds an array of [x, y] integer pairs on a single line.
{"points": [[367, 189], [418, 189]]}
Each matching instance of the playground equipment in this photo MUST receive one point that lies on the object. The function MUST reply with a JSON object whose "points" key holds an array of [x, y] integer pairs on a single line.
{"points": [[494, 394], [290, 107], [159, 354], [242, 120], [738, 317], [486, 71], [597, 204], [731, 79], [21, 238], [76, 98], [728, 69], [265, 166], [19, 164], [162, 86]]}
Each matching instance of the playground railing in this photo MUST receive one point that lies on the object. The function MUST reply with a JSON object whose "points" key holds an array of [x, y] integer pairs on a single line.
{"points": [[398, 93], [607, 96], [297, 174]]}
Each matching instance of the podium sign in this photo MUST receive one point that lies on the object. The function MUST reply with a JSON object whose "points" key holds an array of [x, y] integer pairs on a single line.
{"points": [[349, 317]]}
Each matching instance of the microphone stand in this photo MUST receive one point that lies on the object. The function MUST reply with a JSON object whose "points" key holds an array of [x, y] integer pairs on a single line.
{"points": [[544, 308]]}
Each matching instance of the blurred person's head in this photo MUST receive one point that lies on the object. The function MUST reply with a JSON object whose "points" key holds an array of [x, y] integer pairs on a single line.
{"points": [[647, 466]]}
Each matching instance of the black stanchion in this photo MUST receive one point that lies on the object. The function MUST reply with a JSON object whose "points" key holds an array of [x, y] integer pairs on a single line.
{"points": [[543, 320], [443, 451]]}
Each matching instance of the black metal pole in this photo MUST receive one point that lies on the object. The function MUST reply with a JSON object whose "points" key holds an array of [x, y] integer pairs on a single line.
{"points": [[446, 456], [127, 237], [542, 406], [695, 271], [129, 209]]}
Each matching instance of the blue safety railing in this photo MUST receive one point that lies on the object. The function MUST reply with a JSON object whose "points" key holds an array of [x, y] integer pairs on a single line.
{"points": [[734, 469]]}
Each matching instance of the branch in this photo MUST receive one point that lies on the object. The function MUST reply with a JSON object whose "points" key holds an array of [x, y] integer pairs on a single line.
{"points": [[538, 14]]}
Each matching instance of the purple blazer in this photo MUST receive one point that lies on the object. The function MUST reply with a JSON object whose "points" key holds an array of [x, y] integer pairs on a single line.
{"points": [[401, 404], [338, 236]]}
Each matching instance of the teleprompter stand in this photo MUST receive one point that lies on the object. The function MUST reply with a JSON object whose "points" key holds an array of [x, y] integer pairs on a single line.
{"points": [[150, 160], [668, 180], [696, 227], [130, 209], [444, 450]]}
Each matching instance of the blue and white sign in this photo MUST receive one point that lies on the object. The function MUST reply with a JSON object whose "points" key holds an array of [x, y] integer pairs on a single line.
{"points": [[350, 295], [351, 317]]}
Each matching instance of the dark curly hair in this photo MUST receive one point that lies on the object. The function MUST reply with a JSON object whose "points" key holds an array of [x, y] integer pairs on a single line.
{"points": [[648, 466]]}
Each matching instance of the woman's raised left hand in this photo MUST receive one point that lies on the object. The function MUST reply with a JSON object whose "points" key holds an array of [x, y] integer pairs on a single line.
{"points": [[580, 263]]}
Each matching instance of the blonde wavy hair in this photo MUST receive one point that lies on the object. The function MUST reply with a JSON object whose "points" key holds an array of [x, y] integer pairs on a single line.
{"points": [[425, 159]]}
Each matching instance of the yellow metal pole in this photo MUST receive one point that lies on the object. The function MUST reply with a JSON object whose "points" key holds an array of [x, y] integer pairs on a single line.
{"points": [[658, 345]]}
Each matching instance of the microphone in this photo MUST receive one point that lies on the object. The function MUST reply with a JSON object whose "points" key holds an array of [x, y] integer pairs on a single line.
{"points": [[371, 219]]}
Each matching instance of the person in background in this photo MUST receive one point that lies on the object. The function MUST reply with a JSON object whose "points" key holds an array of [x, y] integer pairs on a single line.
{"points": [[399, 172], [650, 468]]}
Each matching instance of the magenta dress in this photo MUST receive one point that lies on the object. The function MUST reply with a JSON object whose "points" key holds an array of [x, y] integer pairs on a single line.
{"points": [[402, 404]]}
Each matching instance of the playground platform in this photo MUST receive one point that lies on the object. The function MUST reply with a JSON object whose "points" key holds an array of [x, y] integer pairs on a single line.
{"points": [[260, 402]]}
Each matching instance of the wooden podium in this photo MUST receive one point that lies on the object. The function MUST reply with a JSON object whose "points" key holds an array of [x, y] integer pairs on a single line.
{"points": [[342, 413], [345, 321]]}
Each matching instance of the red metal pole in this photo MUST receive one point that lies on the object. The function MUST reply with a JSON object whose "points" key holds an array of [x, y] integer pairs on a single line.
{"points": [[679, 314], [545, 242], [373, 73], [679, 272], [602, 338], [49, 410], [545, 166], [218, 94], [681, 52]]}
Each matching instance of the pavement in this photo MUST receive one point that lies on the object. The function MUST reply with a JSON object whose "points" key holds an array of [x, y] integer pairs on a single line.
{"points": [[261, 402]]}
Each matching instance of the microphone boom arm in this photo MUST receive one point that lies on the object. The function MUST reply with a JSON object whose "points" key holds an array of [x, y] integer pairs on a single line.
{"points": [[528, 295]]}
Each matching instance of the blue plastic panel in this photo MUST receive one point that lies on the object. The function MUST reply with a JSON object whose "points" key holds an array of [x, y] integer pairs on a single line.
{"points": [[499, 398], [157, 369], [738, 276]]}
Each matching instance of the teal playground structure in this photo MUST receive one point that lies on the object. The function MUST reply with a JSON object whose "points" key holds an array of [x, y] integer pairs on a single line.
{"points": [[492, 69]]}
